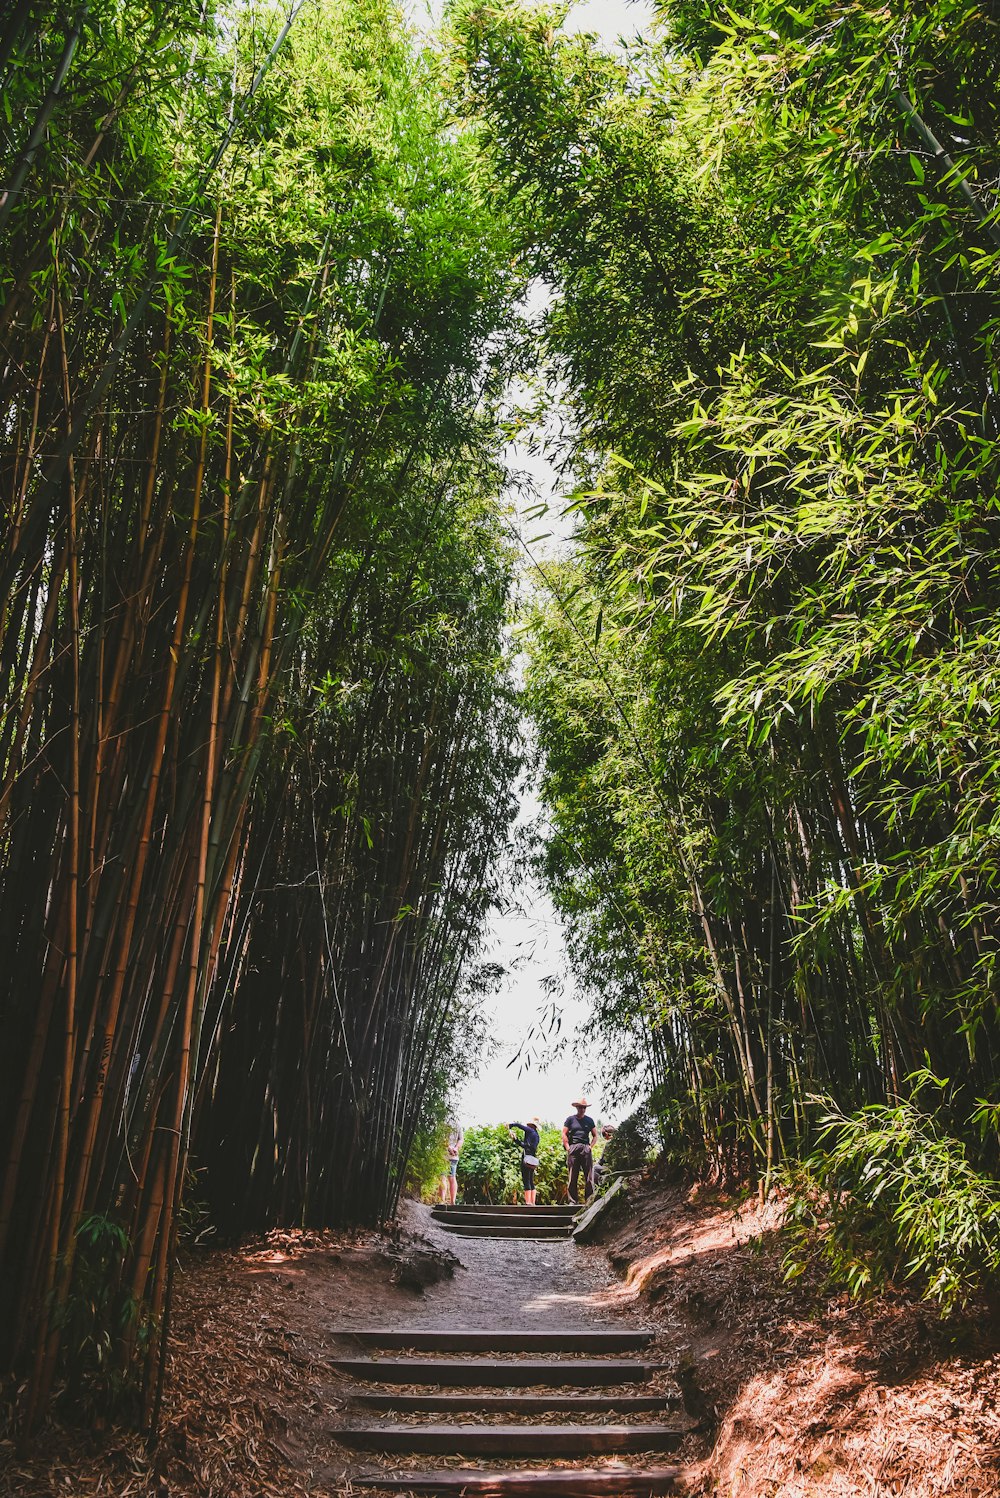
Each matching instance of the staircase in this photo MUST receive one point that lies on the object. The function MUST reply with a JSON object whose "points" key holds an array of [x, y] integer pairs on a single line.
{"points": [[542, 1223], [590, 1380]]}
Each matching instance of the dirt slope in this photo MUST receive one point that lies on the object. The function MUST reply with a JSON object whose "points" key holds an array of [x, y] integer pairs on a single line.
{"points": [[793, 1393], [799, 1392]]}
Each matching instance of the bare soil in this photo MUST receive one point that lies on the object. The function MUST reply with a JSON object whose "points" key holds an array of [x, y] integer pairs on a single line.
{"points": [[801, 1393], [789, 1391]]}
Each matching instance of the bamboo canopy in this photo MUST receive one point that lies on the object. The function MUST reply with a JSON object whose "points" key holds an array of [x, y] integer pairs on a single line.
{"points": [[251, 607], [764, 686]]}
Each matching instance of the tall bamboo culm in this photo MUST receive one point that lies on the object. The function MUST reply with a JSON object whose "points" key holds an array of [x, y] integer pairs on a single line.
{"points": [[228, 403]]}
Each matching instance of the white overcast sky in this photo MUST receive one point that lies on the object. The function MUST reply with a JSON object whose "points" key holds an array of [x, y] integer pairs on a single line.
{"points": [[608, 19], [527, 940]]}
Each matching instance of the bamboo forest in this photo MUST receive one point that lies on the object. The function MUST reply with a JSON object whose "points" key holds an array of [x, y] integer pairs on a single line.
{"points": [[287, 290]]}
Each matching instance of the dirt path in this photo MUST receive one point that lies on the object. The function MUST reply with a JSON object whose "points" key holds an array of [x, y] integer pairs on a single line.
{"points": [[511, 1283], [798, 1393]]}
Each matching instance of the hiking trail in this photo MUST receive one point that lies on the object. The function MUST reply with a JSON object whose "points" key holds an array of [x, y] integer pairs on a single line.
{"points": [[517, 1372]]}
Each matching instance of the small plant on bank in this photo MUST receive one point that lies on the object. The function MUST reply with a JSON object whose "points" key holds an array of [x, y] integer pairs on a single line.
{"points": [[889, 1195], [195, 1227], [95, 1315]]}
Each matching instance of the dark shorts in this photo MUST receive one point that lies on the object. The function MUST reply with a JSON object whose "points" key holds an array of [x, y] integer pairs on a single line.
{"points": [[528, 1176]]}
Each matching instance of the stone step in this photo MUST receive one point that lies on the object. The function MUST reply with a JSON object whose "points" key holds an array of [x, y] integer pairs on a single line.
{"points": [[600, 1482], [483, 1219], [557, 1339], [514, 1214], [525, 1405], [501, 1230], [514, 1440], [495, 1373], [508, 1209]]}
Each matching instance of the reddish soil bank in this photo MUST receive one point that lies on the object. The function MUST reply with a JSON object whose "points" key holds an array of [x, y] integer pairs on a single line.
{"points": [[794, 1393], [251, 1404], [800, 1392]]}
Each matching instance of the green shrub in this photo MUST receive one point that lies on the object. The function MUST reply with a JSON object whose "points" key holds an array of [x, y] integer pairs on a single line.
{"points": [[634, 1142], [889, 1195], [489, 1169]]}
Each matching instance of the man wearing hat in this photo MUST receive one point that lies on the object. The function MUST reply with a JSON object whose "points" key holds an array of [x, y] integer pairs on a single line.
{"points": [[579, 1133]]}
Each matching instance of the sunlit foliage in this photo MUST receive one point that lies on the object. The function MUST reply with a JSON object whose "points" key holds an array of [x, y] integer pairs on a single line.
{"points": [[766, 691]]}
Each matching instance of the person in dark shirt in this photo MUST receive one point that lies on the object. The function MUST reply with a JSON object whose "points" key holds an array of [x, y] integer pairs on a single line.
{"points": [[529, 1156], [579, 1133]]}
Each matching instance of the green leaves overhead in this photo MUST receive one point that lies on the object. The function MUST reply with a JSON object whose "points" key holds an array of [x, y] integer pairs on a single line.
{"points": [[772, 771], [256, 733]]}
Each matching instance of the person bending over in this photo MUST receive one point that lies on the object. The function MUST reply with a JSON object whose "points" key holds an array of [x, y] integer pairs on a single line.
{"points": [[529, 1155]]}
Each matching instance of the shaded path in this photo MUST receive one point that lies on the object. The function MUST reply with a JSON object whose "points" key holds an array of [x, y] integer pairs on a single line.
{"points": [[590, 1415], [515, 1282]]}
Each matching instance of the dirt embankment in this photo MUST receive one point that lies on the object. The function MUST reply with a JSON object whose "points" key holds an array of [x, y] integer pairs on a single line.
{"points": [[795, 1394], [252, 1405], [800, 1393]]}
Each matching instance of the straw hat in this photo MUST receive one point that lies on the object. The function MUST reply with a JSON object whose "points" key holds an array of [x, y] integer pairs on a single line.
{"points": [[581, 1102], [534, 1119]]}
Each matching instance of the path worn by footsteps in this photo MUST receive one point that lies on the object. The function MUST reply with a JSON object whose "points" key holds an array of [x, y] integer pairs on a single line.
{"points": [[515, 1365]]}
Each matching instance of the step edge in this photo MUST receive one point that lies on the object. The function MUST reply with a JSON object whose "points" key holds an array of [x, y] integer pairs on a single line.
{"points": [[477, 1480], [592, 1364], [668, 1428]]}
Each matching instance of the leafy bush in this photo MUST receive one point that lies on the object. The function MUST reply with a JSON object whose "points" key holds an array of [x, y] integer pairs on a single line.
{"points": [[489, 1166], [489, 1169], [633, 1144], [889, 1194]]}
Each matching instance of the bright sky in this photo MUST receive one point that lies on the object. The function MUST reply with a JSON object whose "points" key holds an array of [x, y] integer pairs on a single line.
{"points": [[527, 940], [608, 19]]}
